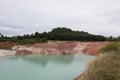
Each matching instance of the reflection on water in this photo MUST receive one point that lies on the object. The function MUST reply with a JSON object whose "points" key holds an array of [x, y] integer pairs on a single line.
{"points": [[43, 67], [44, 59]]}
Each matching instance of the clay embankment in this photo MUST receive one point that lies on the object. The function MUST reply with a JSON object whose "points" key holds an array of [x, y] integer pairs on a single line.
{"points": [[4, 48], [49, 48], [68, 47], [7, 45], [6, 52], [94, 47]]}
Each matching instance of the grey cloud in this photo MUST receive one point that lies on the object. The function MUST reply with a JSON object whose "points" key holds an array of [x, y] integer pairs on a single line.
{"points": [[28, 16]]}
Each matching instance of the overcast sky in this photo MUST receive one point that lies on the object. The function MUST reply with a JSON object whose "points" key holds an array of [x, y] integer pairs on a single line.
{"points": [[27, 16]]}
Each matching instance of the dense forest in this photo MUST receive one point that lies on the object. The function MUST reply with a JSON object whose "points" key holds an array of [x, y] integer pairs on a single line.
{"points": [[62, 34]]}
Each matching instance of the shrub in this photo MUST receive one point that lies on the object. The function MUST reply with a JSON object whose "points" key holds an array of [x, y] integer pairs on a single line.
{"points": [[31, 41], [105, 67], [114, 46], [43, 40]]}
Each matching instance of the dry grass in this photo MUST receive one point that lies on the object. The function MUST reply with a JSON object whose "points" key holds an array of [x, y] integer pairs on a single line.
{"points": [[106, 66], [114, 46]]}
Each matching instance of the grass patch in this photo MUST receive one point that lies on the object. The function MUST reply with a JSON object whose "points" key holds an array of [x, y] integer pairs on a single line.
{"points": [[31, 41], [105, 67], [114, 46]]}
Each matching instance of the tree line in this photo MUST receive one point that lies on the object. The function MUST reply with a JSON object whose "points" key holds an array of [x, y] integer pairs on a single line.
{"points": [[62, 34]]}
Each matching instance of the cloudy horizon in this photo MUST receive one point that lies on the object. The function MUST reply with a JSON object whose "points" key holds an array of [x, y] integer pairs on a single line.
{"points": [[18, 17]]}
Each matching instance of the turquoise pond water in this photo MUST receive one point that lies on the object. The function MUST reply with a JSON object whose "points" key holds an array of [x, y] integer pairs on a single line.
{"points": [[43, 67]]}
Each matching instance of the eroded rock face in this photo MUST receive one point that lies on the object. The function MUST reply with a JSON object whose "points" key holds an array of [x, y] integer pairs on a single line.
{"points": [[68, 47], [49, 48], [22, 52], [94, 47], [6, 53], [7, 45], [90, 48]]}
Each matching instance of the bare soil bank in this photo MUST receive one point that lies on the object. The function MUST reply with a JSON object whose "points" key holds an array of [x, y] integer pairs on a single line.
{"points": [[58, 47]]}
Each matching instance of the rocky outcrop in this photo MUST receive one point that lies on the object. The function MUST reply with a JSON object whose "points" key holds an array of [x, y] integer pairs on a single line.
{"points": [[55, 48], [6, 53], [94, 47], [61, 47], [22, 52], [49, 48], [7, 45]]}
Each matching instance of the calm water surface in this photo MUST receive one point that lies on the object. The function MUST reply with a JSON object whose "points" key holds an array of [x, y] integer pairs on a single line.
{"points": [[43, 67]]}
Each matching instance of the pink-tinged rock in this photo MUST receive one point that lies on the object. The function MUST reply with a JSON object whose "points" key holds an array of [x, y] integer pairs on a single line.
{"points": [[94, 47], [68, 47], [55, 48], [6, 52], [23, 52]]}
